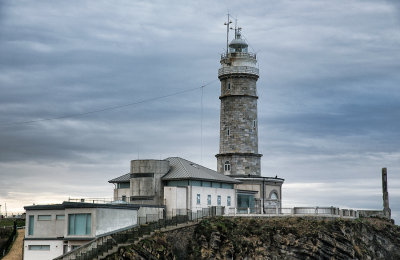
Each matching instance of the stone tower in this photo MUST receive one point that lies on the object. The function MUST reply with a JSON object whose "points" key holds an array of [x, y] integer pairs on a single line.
{"points": [[238, 143]]}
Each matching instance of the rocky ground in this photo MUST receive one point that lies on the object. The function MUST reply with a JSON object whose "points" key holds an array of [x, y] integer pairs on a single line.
{"points": [[272, 238]]}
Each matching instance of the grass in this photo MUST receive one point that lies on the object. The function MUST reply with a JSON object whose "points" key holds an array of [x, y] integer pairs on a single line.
{"points": [[9, 222]]}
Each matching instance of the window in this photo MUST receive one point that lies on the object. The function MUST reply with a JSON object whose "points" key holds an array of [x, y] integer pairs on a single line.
{"points": [[30, 223], [228, 131], [195, 183], [227, 166], [219, 200], [227, 186], [123, 198], [229, 85], [245, 201], [208, 199], [60, 217], [216, 185], [228, 201], [123, 185], [178, 183], [44, 217], [39, 247], [80, 224], [198, 199], [254, 124], [273, 196], [206, 184]]}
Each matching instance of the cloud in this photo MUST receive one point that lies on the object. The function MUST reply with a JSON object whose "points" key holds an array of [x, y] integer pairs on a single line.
{"points": [[328, 106]]}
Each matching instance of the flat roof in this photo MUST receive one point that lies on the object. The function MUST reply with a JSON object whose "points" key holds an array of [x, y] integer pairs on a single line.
{"points": [[71, 205]]}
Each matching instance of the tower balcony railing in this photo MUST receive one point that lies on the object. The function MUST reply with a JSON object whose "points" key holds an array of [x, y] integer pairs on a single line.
{"points": [[238, 55], [238, 70]]}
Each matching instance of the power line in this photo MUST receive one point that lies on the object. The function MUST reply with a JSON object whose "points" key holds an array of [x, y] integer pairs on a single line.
{"points": [[107, 108]]}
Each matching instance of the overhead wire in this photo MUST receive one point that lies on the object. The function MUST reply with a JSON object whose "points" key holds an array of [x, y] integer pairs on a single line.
{"points": [[107, 108]]}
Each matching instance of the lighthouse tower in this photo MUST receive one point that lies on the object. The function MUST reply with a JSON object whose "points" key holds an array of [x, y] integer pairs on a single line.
{"points": [[238, 145]]}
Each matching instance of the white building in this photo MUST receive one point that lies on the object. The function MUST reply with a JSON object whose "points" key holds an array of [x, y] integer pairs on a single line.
{"points": [[177, 183], [53, 230], [191, 186]]}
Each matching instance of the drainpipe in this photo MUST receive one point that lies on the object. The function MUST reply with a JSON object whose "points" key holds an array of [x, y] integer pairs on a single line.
{"points": [[263, 189]]}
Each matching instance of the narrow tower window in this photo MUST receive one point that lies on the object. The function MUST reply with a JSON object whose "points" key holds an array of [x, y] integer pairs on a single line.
{"points": [[227, 166], [229, 85], [254, 124], [228, 131]]}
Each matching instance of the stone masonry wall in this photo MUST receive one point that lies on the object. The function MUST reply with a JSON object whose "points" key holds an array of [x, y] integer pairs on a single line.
{"points": [[239, 117], [240, 164]]}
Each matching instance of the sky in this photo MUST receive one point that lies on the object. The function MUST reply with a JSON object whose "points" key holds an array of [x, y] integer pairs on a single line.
{"points": [[328, 107]]}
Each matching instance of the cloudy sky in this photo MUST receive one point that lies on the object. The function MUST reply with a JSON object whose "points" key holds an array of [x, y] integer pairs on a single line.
{"points": [[329, 106]]}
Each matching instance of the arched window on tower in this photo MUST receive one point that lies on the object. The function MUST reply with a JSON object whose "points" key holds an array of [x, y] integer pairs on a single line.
{"points": [[227, 166], [229, 85], [273, 196], [228, 131]]}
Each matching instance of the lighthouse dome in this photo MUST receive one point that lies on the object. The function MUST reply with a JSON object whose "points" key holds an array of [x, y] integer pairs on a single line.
{"points": [[238, 44]]}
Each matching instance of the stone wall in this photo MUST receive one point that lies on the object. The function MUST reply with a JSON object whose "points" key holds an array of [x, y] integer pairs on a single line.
{"points": [[238, 120], [240, 164]]}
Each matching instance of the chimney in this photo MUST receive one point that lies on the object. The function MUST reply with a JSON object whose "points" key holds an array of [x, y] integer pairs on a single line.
{"points": [[386, 209]]}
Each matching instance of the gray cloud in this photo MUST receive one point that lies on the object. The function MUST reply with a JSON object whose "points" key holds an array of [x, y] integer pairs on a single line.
{"points": [[328, 106]]}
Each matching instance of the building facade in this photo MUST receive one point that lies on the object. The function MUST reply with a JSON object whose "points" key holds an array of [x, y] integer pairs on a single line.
{"points": [[176, 183], [53, 230]]}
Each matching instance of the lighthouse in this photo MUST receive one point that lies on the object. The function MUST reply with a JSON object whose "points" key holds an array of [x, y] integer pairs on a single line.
{"points": [[238, 144], [238, 155]]}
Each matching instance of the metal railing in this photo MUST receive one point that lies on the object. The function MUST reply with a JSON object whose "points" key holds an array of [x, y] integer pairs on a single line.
{"points": [[238, 55], [296, 211], [91, 200], [151, 222]]}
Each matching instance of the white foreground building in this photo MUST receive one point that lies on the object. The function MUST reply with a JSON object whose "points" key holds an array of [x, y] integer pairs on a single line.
{"points": [[53, 230]]}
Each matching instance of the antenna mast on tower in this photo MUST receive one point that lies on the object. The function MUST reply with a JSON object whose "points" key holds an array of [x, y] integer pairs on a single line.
{"points": [[227, 34]]}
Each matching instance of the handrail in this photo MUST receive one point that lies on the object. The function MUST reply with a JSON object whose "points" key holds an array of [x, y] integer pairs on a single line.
{"points": [[238, 54], [107, 241]]}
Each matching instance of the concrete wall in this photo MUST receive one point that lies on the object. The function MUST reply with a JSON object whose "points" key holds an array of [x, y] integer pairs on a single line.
{"points": [[56, 249], [118, 193], [46, 228], [371, 213], [143, 211], [175, 198], [112, 219], [146, 186]]}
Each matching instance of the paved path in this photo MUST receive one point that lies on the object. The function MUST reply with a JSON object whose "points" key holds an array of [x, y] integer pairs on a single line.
{"points": [[16, 249]]}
